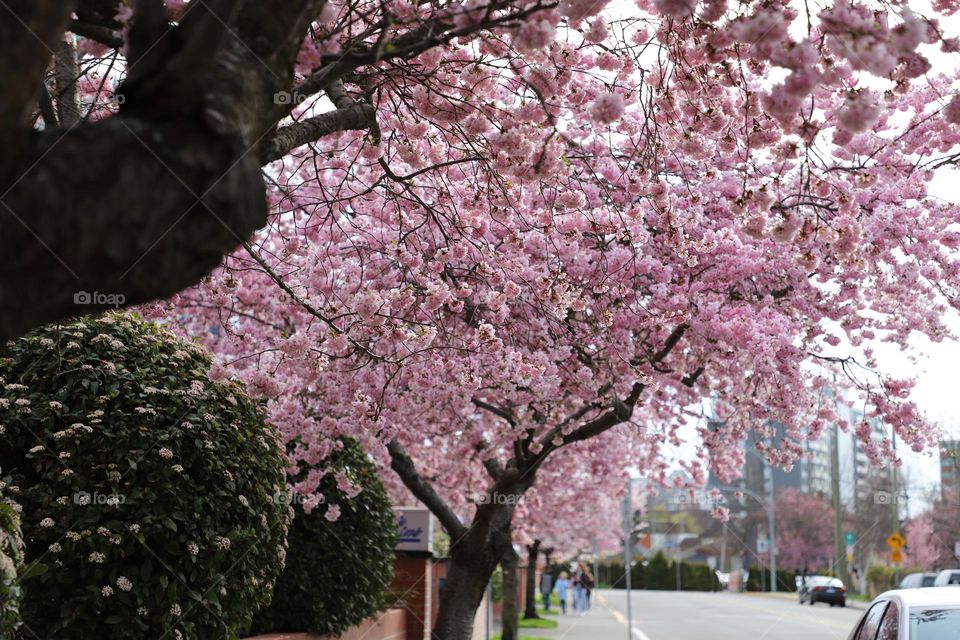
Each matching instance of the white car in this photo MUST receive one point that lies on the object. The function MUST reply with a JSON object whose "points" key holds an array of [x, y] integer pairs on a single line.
{"points": [[929, 613], [947, 577]]}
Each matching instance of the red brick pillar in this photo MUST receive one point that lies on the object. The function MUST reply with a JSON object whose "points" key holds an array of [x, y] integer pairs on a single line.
{"points": [[413, 586]]}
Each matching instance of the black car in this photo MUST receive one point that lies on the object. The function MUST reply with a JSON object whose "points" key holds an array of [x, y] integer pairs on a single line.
{"points": [[823, 589]]}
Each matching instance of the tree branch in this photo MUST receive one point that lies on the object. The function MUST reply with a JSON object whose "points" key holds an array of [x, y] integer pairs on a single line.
{"points": [[67, 80], [404, 467], [495, 410], [29, 37], [99, 33], [356, 117]]}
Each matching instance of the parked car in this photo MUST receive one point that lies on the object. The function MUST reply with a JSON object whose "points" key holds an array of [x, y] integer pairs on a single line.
{"points": [[911, 614], [947, 577], [823, 589], [917, 580]]}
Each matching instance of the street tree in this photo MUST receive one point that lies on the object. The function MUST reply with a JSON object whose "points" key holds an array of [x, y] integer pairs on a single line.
{"points": [[803, 542], [569, 230]]}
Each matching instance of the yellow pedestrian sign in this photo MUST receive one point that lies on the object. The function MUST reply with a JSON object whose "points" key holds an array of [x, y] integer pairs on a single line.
{"points": [[896, 542], [896, 556]]}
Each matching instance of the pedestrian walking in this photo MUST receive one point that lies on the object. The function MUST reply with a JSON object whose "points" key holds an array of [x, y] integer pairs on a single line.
{"points": [[580, 590], [563, 583], [546, 586], [588, 586]]}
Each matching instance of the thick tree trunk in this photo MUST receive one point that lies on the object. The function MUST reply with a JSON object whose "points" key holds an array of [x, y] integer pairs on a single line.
{"points": [[463, 591], [530, 599], [511, 610]]}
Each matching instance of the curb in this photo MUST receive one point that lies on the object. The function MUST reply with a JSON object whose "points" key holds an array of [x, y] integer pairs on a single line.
{"points": [[860, 605]]}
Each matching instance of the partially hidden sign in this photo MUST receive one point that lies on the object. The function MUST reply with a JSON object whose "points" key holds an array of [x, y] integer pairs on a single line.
{"points": [[415, 529]]}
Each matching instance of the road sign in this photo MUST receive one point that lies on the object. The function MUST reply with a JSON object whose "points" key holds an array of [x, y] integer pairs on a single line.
{"points": [[896, 556], [763, 545], [896, 541], [850, 538], [850, 548]]}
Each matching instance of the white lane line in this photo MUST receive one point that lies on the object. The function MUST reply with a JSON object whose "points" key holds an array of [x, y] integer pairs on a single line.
{"points": [[639, 635]]}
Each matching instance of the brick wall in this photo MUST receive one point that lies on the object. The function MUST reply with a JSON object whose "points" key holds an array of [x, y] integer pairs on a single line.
{"points": [[414, 587], [389, 625]]}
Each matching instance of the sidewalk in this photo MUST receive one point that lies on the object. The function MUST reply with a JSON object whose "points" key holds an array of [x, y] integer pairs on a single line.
{"points": [[600, 623]]}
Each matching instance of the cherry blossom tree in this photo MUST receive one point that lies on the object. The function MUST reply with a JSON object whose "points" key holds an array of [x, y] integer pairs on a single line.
{"points": [[561, 230], [802, 539], [924, 548]]}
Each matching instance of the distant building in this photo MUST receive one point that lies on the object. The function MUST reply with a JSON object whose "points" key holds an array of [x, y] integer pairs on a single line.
{"points": [[813, 473], [950, 471]]}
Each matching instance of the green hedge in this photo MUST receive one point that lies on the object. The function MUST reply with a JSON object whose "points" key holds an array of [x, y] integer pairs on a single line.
{"points": [[147, 490], [660, 573], [11, 564], [760, 581], [882, 578], [336, 571]]}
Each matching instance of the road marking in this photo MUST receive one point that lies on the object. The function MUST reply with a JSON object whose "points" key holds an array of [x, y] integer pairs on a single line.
{"points": [[620, 618], [639, 635]]}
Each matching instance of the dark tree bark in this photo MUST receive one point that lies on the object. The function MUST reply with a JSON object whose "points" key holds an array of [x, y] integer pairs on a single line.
{"points": [[147, 203], [511, 610], [530, 597], [143, 204]]}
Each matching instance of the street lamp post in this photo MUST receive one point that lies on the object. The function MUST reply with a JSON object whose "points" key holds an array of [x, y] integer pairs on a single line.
{"points": [[627, 549]]}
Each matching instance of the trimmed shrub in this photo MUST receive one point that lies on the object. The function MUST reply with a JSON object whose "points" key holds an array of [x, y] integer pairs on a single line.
{"points": [[880, 578], [11, 563], [147, 490], [660, 573], [338, 565], [786, 580]]}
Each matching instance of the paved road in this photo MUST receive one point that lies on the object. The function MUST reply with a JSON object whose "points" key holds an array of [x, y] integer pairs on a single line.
{"points": [[665, 615]]}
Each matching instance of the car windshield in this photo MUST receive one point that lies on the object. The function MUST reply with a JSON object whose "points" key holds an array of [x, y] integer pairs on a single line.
{"points": [[935, 624]]}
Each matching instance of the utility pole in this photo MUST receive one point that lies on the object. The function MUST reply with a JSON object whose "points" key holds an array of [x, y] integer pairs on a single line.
{"points": [[839, 544], [771, 522], [596, 558], [723, 550], [683, 529], [894, 497], [627, 549]]}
